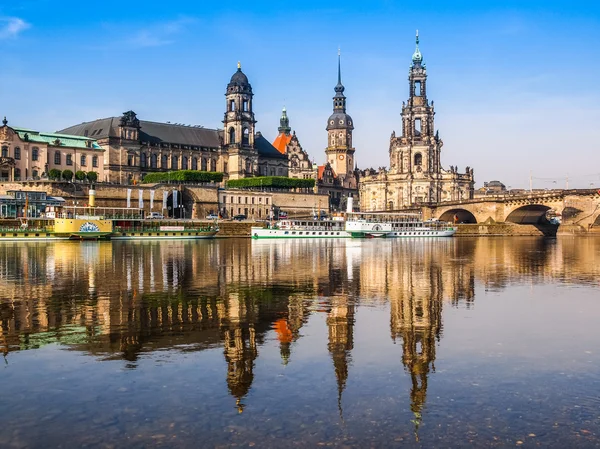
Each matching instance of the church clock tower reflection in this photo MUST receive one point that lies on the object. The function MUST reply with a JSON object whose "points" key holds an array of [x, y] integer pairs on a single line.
{"points": [[340, 322]]}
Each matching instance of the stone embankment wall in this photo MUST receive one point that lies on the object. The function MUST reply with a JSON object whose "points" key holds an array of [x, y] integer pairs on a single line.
{"points": [[235, 228], [505, 229], [300, 204]]}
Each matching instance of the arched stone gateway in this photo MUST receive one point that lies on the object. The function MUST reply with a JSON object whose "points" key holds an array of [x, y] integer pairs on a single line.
{"points": [[529, 214], [458, 216], [181, 206]]}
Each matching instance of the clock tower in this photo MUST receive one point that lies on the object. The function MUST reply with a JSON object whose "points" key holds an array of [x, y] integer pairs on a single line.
{"points": [[339, 151]]}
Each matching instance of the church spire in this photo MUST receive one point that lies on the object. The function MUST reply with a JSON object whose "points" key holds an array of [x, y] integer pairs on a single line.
{"points": [[339, 100], [284, 123], [339, 67], [417, 58]]}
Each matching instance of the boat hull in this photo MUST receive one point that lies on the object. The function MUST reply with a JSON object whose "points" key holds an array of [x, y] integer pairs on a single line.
{"points": [[164, 235], [270, 233]]}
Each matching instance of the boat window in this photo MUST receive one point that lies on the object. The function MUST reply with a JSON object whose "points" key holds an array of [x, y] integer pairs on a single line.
{"points": [[286, 232]]}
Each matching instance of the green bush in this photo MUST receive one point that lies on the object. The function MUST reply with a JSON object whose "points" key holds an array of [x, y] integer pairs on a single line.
{"points": [[67, 175], [92, 176], [54, 174], [80, 175], [183, 176], [278, 182]]}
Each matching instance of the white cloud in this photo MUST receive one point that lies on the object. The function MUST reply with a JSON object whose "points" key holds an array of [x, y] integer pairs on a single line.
{"points": [[160, 34], [10, 27]]}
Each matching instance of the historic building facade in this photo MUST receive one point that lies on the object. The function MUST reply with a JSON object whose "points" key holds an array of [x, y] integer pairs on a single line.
{"points": [[415, 174], [286, 142], [135, 147], [29, 155]]}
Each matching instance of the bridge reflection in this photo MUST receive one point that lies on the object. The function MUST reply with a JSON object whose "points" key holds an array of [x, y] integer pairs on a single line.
{"points": [[118, 301]]}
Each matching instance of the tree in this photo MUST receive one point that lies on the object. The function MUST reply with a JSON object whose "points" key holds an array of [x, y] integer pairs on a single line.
{"points": [[92, 176], [67, 175], [80, 175], [54, 174]]}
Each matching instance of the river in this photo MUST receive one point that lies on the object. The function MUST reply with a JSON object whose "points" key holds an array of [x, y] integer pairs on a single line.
{"points": [[483, 342]]}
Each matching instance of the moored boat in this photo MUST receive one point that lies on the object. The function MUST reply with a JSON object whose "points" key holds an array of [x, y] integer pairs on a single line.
{"points": [[301, 228], [384, 224]]}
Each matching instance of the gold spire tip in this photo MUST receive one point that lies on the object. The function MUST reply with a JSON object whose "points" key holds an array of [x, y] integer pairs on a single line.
{"points": [[239, 65]]}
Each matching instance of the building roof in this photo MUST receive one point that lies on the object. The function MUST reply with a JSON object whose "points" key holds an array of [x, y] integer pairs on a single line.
{"points": [[265, 149], [321, 170], [150, 132], [281, 142], [57, 139]]}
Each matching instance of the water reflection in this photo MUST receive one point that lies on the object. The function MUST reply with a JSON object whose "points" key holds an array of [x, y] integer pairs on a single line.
{"points": [[120, 301]]}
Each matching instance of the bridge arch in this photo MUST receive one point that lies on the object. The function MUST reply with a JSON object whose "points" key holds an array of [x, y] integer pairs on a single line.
{"points": [[529, 214], [458, 215]]}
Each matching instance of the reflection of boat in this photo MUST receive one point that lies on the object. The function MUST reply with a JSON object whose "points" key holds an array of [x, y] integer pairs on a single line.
{"points": [[383, 224], [302, 228]]}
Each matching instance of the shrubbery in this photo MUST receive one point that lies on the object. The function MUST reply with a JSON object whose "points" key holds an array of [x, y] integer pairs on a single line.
{"points": [[54, 174], [278, 182], [183, 176], [67, 175]]}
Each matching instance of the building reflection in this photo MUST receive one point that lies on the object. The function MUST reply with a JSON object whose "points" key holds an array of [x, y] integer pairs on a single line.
{"points": [[120, 300]]}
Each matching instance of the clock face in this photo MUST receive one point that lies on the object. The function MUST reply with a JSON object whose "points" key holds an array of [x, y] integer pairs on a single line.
{"points": [[341, 157]]}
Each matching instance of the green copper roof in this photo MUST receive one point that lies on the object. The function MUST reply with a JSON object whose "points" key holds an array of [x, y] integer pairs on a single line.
{"points": [[417, 57], [57, 140]]}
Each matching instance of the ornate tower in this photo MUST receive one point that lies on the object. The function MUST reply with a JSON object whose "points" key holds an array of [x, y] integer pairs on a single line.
{"points": [[284, 123], [239, 125], [339, 151]]}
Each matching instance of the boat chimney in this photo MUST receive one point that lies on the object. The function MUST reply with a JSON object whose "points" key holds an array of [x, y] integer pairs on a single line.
{"points": [[92, 200], [349, 205]]}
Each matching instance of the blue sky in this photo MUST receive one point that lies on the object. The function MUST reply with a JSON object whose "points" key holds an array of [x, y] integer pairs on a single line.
{"points": [[515, 83]]}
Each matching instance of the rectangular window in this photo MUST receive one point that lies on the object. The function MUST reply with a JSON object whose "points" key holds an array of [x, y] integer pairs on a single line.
{"points": [[17, 153], [95, 161], [69, 159], [83, 160], [57, 158], [266, 200], [224, 200]]}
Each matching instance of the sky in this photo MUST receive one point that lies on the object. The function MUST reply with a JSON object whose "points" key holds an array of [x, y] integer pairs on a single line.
{"points": [[515, 83]]}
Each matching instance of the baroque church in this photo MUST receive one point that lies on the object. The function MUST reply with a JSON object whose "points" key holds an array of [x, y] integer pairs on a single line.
{"points": [[134, 147], [415, 174]]}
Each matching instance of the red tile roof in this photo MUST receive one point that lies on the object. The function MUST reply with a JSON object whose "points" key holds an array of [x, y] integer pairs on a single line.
{"points": [[281, 142]]}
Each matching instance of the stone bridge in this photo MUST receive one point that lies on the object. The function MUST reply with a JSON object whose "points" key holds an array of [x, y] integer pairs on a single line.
{"points": [[579, 207]]}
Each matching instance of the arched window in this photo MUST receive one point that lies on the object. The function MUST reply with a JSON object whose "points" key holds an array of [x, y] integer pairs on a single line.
{"points": [[57, 158], [418, 159], [231, 105], [213, 165], [418, 88], [143, 160], [174, 162], [83, 160], [4, 151], [164, 161], [245, 105], [231, 135], [194, 163], [153, 161], [35, 154], [17, 153], [17, 174], [35, 174], [246, 137], [95, 161], [248, 166], [184, 163], [203, 164]]}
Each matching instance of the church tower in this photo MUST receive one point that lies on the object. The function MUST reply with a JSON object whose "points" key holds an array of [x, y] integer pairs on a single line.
{"points": [[239, 126], [421, 157], [340, 153]]}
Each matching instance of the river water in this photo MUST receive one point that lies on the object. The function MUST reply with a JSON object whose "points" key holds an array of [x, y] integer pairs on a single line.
{"points": [[482, 342]]}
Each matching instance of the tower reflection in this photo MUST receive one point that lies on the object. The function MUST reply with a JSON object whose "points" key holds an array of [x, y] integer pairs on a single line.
{"points": [[117, 301]]}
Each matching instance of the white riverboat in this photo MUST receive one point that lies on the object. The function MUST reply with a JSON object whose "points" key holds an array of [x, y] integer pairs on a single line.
{"points": [[302, 228], [384, 224]]}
